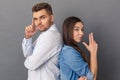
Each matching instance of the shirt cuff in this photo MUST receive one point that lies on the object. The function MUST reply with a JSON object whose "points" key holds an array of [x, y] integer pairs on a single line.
{"points": [[27, 41]]}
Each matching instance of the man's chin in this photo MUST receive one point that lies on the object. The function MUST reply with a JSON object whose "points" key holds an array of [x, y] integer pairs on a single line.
{"points": [[42, 30]]}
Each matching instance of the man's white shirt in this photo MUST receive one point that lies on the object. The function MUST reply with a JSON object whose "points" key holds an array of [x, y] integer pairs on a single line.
{"points": [[42, 55]]}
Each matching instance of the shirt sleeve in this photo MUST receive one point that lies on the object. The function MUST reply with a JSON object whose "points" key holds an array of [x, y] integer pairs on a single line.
{"points": [[75, 61], [89, 75], [27, 47], [46, 47]]}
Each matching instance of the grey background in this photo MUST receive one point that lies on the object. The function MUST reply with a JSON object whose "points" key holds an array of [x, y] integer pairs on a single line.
{"points": [[102, 17]]}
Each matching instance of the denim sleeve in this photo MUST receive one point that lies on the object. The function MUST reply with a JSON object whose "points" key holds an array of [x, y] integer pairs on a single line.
{"points": [[89, 75], [75, 61]]}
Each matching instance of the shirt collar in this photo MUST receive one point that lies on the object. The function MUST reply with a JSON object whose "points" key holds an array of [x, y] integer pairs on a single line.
{"points": [[52, 27]]}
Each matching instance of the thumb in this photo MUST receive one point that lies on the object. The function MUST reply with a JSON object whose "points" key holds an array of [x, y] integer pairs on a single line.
{"points": [[85, 44]]}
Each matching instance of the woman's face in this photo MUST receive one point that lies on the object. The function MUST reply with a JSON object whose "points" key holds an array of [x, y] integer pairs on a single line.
{"points": [[78, 32]]}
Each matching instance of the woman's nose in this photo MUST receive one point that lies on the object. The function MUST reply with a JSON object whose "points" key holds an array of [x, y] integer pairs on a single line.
{"points": [[81, 32]]}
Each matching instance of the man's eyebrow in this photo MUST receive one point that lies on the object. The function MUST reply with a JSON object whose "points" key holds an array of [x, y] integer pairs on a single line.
{"points": [[39, 17], [42, 16], [35, 18]]}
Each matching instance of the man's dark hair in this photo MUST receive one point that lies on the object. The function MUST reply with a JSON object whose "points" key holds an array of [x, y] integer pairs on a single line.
{"points": [[42, 5]]}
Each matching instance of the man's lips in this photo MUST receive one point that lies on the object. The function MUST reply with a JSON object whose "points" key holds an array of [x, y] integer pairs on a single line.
{"points": [[40, 26]]}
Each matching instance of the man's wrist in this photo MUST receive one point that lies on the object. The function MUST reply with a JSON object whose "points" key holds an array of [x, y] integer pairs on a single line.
{"points": [[27, 37]]}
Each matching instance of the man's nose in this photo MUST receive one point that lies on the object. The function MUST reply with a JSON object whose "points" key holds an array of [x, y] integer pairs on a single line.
{"points": [[39, 21]]}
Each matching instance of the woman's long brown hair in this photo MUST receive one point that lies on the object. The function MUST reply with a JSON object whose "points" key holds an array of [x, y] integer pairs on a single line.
{"points": [[68, 26]]}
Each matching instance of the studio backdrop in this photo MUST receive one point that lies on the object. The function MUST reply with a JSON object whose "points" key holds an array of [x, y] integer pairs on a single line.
{"points": [[102, 17]]}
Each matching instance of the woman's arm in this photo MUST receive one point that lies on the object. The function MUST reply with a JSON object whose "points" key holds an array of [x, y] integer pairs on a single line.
{"points": [[92, 48]]}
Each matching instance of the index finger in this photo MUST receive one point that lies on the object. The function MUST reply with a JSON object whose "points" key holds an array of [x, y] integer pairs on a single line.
{"points": [[33, 24], [91, 37]]}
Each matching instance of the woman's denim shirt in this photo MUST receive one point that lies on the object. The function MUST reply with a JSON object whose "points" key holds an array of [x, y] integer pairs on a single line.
{"points": [[72, 65]]}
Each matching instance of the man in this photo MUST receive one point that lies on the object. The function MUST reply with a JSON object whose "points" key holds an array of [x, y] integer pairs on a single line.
{"points": [[42, 56]]}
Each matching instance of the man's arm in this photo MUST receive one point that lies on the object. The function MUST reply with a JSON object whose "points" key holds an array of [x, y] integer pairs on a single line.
{"points": [[27, 47], [48, 44]]}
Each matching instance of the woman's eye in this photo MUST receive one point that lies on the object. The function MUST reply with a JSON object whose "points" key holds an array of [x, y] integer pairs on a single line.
{"points": [[82, 29], [76, 29]]}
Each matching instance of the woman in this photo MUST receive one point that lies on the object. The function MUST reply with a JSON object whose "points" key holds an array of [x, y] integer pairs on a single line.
{"points": [[73, 62]]}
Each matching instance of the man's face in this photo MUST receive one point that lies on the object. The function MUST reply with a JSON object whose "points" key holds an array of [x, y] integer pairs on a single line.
{"points": [[42, 19]]}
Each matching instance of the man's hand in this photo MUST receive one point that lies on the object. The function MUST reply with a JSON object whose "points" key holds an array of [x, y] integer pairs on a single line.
{"points": [[30, 30]]}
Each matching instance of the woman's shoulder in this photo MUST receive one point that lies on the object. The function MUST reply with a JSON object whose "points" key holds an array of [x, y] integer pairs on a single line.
{"points": [[67, 50]]}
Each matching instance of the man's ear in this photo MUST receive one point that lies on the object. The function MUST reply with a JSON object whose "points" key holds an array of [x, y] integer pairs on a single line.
{"points": [[52, 18]]}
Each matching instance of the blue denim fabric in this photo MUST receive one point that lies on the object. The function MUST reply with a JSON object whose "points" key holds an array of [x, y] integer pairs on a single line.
{"points": [[72, 65]]}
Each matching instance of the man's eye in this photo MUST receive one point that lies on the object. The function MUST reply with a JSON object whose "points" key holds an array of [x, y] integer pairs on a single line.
{"points": [[43, 17]]}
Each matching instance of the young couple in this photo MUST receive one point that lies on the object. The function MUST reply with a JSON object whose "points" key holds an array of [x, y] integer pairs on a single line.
{"points": [[51, 57]]}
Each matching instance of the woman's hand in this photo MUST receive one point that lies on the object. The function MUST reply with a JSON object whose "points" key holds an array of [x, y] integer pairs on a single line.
{"points": [[82, 78], [92, 46]]}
